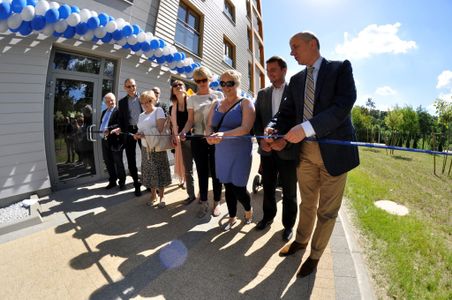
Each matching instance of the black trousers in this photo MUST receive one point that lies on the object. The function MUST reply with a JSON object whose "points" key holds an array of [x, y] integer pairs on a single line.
{"points": [[131, 145], [204, 156], [113, 162], [272, 167], [234, 193]]}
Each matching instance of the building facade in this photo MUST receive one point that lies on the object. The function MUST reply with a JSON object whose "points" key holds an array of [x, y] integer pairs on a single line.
{"points": [[51, 87]]}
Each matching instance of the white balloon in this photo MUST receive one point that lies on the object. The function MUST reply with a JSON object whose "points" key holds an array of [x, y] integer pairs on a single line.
{"points": [[41, 7], [158, 52], [73, 19], [190, 75], [88, 36], [28, 13], [180, 64], [172, 65], [60, 26], [149, 53], [85, 14], [141, 37], [54, 5], [122, 42], [120, 22], [132, 40], [166, 51], [94, 13], [149, 36], [189, 61], [14, 21], [111, 26], [100, 32], [139, 52], [3, 26], [48, 30]]}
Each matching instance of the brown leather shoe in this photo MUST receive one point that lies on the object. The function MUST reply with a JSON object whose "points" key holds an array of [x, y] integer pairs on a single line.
{"points": [[309, 266], [292, 248]]}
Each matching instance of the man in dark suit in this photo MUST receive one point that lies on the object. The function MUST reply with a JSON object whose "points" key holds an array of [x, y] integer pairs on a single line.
{"points": [[318, 104], [129, 110], [112, 143], [276, 163]]}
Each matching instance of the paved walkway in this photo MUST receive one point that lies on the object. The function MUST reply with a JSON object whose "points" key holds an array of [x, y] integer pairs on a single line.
{"points": [[102, 244]]}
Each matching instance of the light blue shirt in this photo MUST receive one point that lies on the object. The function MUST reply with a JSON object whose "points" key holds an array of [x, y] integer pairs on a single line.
{"points": [[307, 127], [105, 121]]}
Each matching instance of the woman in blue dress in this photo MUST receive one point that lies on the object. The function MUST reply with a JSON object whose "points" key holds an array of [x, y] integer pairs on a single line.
{"points": [[231, 119]]}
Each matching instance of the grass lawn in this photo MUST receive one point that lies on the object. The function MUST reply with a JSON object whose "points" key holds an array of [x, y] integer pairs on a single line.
{"points": [[410, 257]]}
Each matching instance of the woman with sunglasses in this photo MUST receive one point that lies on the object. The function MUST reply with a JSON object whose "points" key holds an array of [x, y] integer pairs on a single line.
{"points": [[179, 117], [155, 169], [204, 154], [231, 119]]}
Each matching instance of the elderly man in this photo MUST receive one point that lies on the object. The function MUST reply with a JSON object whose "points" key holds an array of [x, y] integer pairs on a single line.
{"points": [[112, 144], [318, 104]]}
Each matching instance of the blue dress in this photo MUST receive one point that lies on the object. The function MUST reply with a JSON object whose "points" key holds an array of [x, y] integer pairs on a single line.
{"points": [[233, 154]]}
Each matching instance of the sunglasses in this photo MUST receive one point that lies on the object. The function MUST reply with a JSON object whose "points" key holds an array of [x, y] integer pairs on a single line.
{"points": [[229, 83], [177, 85], [198, 81], [130, 86]]}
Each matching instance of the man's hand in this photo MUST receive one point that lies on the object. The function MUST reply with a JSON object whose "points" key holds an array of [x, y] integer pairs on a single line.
{"points": [[116, 131], [278, 144], [264, 145], [215, 138], [268, 131], [295, 135]]}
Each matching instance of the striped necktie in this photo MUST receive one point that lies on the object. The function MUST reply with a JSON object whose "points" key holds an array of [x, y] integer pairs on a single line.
{"points": [[308, 111]]}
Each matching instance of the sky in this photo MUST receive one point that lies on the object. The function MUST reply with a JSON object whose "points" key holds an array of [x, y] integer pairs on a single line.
{"points": [[400, 50]]}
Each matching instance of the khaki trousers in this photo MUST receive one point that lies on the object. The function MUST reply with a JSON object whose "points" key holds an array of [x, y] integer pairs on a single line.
{"points": [[321, 196]]}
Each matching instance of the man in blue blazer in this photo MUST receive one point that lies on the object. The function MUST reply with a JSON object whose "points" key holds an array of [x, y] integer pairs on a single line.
{"points": [[318, 105], [276, 164]]}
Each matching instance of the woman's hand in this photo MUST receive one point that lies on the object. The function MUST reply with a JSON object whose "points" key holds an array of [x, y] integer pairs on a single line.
{"points": [[215, 138], [183, 136], [138, 135], [174, 139]]}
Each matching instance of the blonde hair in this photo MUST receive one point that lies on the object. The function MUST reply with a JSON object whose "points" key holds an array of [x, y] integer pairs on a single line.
{"points": [[148, 95], [236, 75], [201, 73]]}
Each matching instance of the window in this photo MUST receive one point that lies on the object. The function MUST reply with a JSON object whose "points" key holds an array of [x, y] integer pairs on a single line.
{"points": [[250, 76], [188, 28], [250, 39], [229, 10], [229, 53], [248, 9]]}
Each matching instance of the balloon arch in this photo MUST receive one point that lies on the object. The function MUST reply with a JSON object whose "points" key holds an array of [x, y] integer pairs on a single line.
{"points": [[50, 18]]}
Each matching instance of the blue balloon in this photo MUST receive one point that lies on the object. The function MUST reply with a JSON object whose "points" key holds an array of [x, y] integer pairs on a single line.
{"points": [[5, 10], [107, 38], [180, 70], [81, 28], [177, 56], [95, 39], [31, 2], [52, 15], [154, 44], [136, 29], [161, 59], [69, 32], [25, 28], [65, 11], [75, 9], [169, 58], [145, 46], [136, 47], [18, 5], [110, 18], [183, 56], [162, 43], [103, 19], [57, 34], [127, 31], [188, 69], [93, 23], [126, 46], [117, 35], [38, 23], [153, 57]]}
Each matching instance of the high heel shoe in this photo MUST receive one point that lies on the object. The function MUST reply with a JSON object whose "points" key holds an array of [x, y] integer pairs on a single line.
{"points": [[249, 216]]}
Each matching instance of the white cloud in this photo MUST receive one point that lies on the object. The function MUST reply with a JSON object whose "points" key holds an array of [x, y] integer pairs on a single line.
{"points": [[385, 91], [373, 40], [444, 79]]}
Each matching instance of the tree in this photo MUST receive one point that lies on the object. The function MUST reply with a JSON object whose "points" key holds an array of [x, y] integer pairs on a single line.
{"points": [[426, 123], [361, 121]]}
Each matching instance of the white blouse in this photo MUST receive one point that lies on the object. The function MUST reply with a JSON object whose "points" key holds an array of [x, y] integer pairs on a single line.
{"points": [[147, 121]]}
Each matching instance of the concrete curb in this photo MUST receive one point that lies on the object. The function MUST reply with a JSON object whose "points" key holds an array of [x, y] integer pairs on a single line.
{"points": [[34, 218]]}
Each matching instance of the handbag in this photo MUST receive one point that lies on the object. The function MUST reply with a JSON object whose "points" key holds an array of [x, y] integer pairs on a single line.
{"points": [[160, 141]]}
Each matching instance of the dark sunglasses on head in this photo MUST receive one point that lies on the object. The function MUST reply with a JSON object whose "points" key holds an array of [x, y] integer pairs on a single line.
{"points": [[130, 86], [177, 85], [229, 83], [198, 81]]}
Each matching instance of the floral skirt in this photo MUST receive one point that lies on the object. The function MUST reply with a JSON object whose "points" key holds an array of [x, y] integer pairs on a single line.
{"points": [[155, 169]]}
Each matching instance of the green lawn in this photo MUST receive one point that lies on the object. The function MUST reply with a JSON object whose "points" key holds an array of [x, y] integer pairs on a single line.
{"points": [[410, 257]]}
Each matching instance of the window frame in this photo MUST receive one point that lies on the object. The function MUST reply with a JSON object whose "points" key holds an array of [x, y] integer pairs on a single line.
{"points": [[196, 30], [229, 10], [229, 47]]}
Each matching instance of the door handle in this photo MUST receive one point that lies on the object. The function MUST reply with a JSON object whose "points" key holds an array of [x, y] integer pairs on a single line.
{"points": [[89, 133]]}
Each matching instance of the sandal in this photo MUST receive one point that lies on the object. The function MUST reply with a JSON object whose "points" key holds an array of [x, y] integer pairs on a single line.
{"points": [[249, 216], [162, 204], [228, 226], [216, 209]]}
